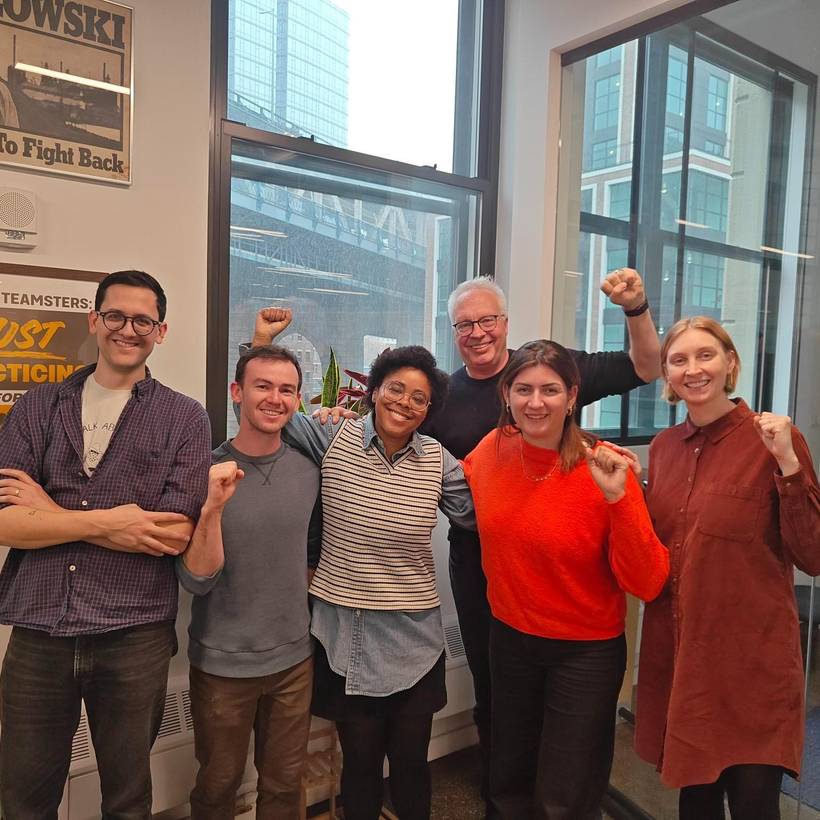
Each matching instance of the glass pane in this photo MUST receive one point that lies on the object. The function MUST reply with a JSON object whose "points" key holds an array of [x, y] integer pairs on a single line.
{"points": [[365, 260], [347, 73], [605, 130], [676, 80], [728, 155], [597, 324]]}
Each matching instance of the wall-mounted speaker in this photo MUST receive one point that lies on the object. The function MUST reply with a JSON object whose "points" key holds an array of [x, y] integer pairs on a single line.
{"points": [[18, 218]]}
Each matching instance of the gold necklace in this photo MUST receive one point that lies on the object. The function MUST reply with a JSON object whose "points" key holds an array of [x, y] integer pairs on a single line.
{"points": [[524, 467]]}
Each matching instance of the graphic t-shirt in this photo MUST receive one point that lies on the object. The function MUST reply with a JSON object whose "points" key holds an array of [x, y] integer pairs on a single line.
{"points": [[101, 411]]}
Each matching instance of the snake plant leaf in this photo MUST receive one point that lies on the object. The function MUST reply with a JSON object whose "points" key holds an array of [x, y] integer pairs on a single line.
{"points": [[330, 383], [360, 377]]}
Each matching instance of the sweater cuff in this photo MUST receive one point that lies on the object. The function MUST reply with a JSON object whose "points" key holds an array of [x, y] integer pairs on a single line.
{"points": [[628, 507]]}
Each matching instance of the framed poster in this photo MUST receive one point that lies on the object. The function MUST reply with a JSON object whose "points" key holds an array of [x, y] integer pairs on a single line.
{"points": [[66, 82], [44, 334]]}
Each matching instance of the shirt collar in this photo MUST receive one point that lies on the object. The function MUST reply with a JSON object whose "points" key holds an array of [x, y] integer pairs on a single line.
{"points": [[76, 380], [370, 436], [720, 428]]}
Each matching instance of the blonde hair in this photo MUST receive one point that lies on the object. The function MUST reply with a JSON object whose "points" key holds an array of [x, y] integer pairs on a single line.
{"points": [[713, 328]]}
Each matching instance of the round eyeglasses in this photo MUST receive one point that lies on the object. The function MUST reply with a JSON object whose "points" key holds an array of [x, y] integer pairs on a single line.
{"points": [[465, 328], [394, 391], [115, 320]]}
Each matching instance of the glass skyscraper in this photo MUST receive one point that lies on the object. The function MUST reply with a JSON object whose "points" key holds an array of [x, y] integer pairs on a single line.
{"points": [[289, 66]]}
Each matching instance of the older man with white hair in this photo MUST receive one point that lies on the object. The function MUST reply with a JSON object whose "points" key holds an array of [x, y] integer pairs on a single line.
{"points": [[478, 312]]}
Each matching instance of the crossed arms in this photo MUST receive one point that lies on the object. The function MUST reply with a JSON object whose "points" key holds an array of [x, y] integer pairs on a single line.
{"points": [[32, 520]]}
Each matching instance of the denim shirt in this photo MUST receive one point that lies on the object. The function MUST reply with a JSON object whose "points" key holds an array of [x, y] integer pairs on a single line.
{"points": [[381, 652]]}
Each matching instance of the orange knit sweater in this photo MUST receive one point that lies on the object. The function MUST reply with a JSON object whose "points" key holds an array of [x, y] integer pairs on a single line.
{"points": [[556, 555]]}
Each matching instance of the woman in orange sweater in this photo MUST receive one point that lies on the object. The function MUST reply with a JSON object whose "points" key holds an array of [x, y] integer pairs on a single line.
{"points": [[564, 532]]}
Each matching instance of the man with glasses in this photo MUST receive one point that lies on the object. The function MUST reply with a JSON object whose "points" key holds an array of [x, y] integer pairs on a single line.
{"points": [[478, 312], [103, 478]]}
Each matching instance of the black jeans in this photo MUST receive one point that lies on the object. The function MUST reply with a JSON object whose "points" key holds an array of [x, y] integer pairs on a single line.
{"points": [[121, 676], [553, 724], [753, 790], [365, 742], [469, 587]]}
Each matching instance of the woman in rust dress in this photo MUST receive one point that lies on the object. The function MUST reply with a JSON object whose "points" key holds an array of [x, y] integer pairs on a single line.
{"points": [[734, 497]]}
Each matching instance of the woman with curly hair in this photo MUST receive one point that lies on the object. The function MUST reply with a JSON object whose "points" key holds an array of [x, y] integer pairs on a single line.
{"points": [[379, 668]]}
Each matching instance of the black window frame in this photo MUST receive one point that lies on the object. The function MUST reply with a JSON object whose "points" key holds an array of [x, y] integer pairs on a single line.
{"points": [[481, 153], [744, 58]]}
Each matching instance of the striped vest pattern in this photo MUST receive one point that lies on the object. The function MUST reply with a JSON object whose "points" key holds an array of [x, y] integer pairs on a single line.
{"points": [[377, 524]]}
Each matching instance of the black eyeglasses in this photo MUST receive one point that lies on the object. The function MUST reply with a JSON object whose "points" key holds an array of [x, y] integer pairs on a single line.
{"points": [[485, 323], [115, 320]]}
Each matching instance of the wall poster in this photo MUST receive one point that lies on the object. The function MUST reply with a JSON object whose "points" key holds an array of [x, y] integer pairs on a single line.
{"points": [[66, 83], [44, 334]]}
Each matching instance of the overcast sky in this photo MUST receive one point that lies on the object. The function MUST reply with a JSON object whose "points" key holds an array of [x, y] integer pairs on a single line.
{"points": [[402, 79]]}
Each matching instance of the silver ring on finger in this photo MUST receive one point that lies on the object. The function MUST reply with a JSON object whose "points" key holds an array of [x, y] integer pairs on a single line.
{"points": [[17, 492]]}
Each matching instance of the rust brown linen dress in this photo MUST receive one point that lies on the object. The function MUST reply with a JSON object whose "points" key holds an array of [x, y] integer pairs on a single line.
{"points": [[720, 680]]}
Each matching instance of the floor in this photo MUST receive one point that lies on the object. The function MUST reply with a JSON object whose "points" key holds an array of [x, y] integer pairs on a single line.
{"points": [[456, 782]]}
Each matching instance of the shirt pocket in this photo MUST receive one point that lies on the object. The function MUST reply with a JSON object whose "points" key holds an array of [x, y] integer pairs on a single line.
{"points": [[730, 511]]}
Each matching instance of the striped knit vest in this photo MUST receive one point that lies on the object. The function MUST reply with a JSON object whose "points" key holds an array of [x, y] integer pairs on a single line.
{"points": [[377, 523]]}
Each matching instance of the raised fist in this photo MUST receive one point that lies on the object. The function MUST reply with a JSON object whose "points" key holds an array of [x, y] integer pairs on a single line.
{"points": [[270, 322], [609, 469], [222, 481], [624, 287]]}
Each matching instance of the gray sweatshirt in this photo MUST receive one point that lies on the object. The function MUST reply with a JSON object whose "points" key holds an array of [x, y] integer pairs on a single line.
{"points": [[251, 617]]}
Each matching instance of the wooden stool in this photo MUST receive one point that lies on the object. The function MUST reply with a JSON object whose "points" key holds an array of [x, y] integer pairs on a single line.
{"points": [[323, 770]]}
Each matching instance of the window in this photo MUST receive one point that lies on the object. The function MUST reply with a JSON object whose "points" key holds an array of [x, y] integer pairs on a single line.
{"points": [[672, 140], [716, 148], [362, 257], [619, 196], [709, 202], [364, 246], [608, 57], [310, 83], [676, 87], [604, 154], [716, 103], [607, 94]]}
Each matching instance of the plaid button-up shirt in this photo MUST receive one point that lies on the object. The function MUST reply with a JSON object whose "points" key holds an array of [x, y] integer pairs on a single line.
{"points": [[158, 458]]}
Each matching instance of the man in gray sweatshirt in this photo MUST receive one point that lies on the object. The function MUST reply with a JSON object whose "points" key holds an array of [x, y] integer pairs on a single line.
{"points": [[248, 567]]}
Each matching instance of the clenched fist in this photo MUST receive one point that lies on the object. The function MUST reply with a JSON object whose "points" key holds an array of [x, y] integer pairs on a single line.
{"points": [[222, 481], [776, 434], [624, 287], [609, 469], [270, 322]]}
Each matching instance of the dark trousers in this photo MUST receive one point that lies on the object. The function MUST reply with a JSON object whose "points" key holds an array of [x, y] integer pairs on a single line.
{"points": [[121, 676], [470, 594], [225, 710], [365, 742], [753, 791], [553, 722]]}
